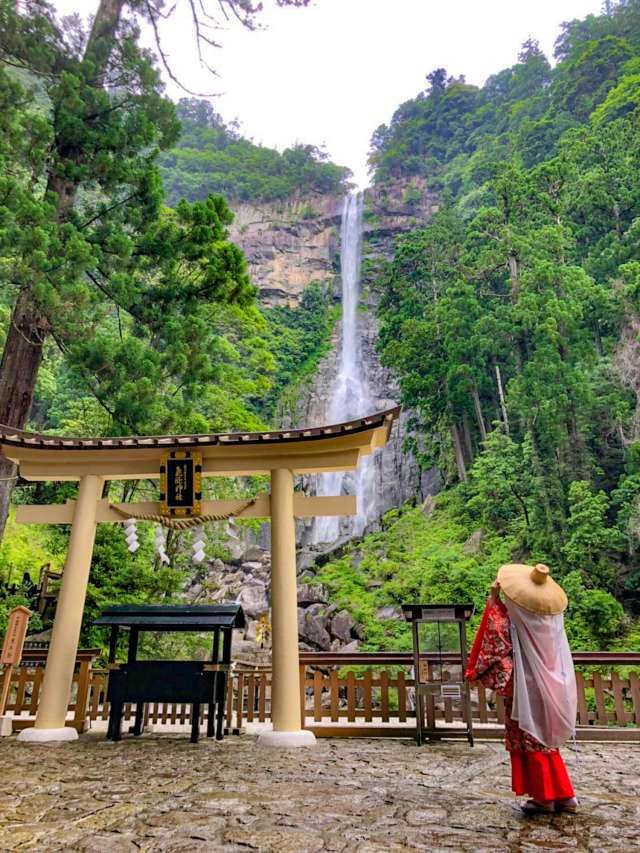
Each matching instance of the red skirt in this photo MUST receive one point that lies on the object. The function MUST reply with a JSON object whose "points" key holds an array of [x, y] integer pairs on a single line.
{"points": [[541, 775]]}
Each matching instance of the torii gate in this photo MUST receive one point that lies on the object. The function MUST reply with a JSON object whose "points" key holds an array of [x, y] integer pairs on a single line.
{"points": [[92, 461]]}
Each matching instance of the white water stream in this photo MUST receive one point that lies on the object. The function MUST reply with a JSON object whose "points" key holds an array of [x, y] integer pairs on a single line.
{"points": [[350, 397]]}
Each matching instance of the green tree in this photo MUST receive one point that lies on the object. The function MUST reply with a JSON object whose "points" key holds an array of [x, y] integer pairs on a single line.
{"points": [[588, 536], [84, 239], [502, 484], [212, 156]]}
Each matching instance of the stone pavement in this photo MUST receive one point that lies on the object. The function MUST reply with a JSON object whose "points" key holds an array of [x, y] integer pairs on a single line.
{"points": [[161, 793]]}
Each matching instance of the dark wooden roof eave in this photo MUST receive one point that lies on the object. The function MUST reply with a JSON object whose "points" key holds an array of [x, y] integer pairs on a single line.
{"points": [[35, 441]]}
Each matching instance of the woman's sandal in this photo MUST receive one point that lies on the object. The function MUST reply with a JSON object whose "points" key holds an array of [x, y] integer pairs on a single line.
{"points": [[532, 807], [570, 806]]}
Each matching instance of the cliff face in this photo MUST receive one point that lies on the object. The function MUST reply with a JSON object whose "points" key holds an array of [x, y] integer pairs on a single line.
{"points": [[290, 245]]}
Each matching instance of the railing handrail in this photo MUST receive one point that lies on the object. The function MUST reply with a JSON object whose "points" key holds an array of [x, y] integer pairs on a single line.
{"points": [[406, 658]]}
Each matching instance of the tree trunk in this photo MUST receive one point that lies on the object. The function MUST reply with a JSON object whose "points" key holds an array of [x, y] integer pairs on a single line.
{"points": [[457, 449], [466, 435], [597, 339], [29, 327], [514, 275], [501, 395], [478, 410], [18, 372]]}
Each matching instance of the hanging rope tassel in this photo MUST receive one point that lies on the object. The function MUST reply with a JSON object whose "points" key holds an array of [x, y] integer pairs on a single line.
{"points": [[161, 544], [198, 545], [181, 523], [131, 535]]}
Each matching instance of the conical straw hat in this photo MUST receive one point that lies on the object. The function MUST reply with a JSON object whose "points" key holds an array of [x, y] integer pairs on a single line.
{"points": [[532, 588]]}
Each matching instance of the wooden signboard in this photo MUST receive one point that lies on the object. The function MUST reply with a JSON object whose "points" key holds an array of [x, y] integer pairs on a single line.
{"points": [[181, 483], [12, 649], [14, 638]]}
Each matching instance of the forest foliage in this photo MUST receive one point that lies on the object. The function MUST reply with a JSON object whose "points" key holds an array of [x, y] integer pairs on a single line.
{"points": [[212, 156], [512, 319]]}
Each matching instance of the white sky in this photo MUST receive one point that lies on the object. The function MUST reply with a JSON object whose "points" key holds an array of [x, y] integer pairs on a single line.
{"points": [[331, 73]]}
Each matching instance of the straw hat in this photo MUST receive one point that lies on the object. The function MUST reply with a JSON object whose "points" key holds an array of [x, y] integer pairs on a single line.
{"points": [[532, 588]]}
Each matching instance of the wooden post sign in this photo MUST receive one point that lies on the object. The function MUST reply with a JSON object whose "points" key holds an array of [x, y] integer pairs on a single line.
{"points": [[181, 483], [14, 638], [12, 650]]}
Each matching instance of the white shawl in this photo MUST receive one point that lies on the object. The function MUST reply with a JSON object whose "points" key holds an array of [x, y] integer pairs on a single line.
{"points": [[544, 688]]}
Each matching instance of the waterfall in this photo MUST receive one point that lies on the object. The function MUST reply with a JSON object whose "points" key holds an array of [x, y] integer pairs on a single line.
{"points": [[350, 396]]}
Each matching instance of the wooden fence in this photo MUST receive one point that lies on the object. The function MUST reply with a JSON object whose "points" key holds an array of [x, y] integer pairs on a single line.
{"points": [[362, 694], [26, 683], [339, 699]]}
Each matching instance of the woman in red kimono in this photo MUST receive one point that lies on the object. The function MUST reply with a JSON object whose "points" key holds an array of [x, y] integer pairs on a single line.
{"points": [[521, 651]]}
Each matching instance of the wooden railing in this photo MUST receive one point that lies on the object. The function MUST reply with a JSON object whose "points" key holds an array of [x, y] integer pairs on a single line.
{"points": [[383, 694], [26, 683], [359, 694]]}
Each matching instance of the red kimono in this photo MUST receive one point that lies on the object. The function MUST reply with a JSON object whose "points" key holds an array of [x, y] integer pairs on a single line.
{"points": [[536, 770]]}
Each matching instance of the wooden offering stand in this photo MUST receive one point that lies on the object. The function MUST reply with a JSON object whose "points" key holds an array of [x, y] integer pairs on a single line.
{"points": [[174, 681]]}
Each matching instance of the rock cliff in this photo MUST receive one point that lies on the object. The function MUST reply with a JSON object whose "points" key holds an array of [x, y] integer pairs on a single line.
{"points": [[288, 245]]}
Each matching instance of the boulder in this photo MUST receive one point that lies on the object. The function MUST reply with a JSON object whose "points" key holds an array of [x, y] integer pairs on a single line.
{"points": [[235, 548], [473, 545], [251, 567], [389, 612], [356, 559], [341, 626], [357, 631], [305, 560], [218, 595], [234, 577], [253, 554], [351, 647], [312, 593], [428, 506], [431, 482], [194, 591], [253, 600], [217, 566], [312, 630]]}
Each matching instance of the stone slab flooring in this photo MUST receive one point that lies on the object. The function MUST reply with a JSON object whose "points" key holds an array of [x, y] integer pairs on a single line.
{"points": [[161, 793]]}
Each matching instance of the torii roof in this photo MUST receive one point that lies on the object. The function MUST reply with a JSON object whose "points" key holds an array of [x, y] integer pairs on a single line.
{"points": [[336, 447]]}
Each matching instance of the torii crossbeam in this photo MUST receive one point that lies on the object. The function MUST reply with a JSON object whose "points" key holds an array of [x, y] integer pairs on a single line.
{"points": [[92, 461]]}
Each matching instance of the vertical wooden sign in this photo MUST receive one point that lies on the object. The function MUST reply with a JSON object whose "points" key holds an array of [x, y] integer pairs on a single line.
{"points": [[14, 638], [12, 648]]}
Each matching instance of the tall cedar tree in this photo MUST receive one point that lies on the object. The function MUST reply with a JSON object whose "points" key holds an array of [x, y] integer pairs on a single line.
{"points": [[82, 231]]}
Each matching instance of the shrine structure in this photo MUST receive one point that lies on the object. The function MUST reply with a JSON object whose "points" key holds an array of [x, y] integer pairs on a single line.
{"points": [[181, 463]]}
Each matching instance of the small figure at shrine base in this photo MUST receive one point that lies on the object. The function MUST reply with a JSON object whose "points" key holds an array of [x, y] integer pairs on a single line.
{"points": [[521, 651]]}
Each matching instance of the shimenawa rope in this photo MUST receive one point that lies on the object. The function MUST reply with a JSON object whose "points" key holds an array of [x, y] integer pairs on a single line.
{"points": [[181, 523]]}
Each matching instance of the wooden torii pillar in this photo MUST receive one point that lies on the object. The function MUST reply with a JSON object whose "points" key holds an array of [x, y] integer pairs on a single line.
{"points": [[92, 461]]}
